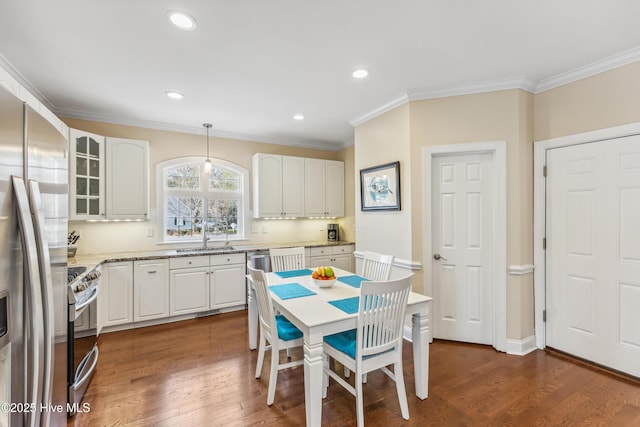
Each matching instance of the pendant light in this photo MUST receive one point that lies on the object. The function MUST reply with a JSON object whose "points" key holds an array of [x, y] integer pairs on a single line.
{"points": [[207, 164]]}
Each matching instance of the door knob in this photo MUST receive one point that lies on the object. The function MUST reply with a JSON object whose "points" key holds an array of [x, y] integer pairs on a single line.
{"points": [[437, 257]]}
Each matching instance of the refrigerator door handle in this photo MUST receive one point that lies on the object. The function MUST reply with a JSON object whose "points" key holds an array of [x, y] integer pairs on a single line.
{"points": [[33, 372], [46, 280]]}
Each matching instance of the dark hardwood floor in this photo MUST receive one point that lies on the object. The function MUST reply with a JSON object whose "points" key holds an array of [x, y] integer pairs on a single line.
{"points": [[200, 373]]}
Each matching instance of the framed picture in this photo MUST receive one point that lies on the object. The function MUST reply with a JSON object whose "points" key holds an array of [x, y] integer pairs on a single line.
{"points": [[380, 187]]}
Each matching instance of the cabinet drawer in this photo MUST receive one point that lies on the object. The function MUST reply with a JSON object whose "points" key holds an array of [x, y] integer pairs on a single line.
{"points": [[189, 262], [342, 250], [321, 251], [228, 259]]}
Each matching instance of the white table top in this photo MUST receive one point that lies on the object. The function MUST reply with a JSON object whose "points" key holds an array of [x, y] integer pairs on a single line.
{"points": [[314, 310]]}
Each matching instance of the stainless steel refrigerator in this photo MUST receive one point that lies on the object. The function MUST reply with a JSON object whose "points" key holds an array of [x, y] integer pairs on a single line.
{"points": [[33, 266]]}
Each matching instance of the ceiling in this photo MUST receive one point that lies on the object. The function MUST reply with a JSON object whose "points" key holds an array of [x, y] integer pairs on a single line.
{"points": [[250, 65]]}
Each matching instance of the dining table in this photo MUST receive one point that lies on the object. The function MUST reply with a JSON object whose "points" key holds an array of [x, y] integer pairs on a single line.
{"points": [[321, 311]]}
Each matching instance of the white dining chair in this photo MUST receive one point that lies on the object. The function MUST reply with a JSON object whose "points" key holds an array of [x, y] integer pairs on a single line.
{"points": [[284, 259], [276, 332], [376, 266], [376, 342]]}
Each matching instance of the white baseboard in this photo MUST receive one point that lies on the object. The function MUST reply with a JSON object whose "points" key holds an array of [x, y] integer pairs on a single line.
{"points": [[521, 347]]}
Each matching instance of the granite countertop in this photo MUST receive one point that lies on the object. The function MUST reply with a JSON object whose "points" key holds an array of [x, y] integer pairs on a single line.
{"points": [[92, 260]]}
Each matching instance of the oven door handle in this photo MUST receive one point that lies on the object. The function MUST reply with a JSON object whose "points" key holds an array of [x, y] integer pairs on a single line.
{"points": [[91, 299], [82, 369]]}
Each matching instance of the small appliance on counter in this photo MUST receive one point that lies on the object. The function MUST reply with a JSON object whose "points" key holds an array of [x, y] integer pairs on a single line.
{"points": [[333, 234]]}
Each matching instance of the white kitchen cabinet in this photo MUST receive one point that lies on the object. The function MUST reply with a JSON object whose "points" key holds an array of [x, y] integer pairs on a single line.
{"points": [[189, 285], [278, 186], [127, 179], [151, 289], [227, 281], [115, 300], [324, 188], [86, 176], [336, 256]]}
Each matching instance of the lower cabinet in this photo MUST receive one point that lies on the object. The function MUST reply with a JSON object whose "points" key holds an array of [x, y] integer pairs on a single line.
{"points": [[151, 289], [115, 300], [337, 256], [204, 283], [189, 285], [227, 281]]}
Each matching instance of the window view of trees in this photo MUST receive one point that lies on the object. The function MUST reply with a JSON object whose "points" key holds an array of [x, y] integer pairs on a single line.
{"points": [[195, 200]]}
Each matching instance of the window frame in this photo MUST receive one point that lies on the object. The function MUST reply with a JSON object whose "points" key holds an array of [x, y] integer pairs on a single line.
{"points": [[163, 193]]}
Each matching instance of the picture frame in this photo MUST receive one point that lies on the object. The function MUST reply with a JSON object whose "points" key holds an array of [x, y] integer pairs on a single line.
{"points": [[380, 188]]}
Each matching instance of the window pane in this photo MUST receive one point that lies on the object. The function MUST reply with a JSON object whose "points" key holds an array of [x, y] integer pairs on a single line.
{"points": [[222, 216], [81, 186], [94, 147], [224, 180], [184, 216], [81, 145], [187, 177], [81, 206], [81, 166]]}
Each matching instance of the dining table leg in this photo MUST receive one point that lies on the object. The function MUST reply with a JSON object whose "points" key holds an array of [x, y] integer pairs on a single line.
{"points": [[313, 377], [420, 338]]}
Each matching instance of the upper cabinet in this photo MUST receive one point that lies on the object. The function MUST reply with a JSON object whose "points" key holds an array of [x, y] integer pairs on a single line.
{"points": [[86, 175], [127, 179], [324, 188], [278, 190], [108, 177], [293, 187]]}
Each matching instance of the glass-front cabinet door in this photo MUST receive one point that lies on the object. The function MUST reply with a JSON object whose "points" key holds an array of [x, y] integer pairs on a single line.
{"points": [[87, 179]]}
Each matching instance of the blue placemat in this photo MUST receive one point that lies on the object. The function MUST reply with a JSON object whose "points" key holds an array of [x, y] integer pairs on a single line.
{"points": [[291, 290], [294, 273], [348, 305], [352, 280]]}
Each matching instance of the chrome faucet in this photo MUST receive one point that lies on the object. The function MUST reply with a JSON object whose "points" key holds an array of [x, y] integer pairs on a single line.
{"points": [[226, 232], [205, 238]]}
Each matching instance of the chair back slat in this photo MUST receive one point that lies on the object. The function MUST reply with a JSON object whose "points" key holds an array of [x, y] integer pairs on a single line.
{"points": [[381, 315], [376, 267], [285, 259], [266, 312]]}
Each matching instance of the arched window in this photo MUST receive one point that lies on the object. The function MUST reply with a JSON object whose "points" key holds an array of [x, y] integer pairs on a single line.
{"points": [[194, 200]]}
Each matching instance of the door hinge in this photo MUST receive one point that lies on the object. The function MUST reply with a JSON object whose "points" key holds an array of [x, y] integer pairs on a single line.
{"points": [[544, 171], [544, 315], [544, 243]]}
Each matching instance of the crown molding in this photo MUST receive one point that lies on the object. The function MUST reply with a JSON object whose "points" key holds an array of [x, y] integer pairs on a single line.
{"points": [[172, 127], [607, 64], [422, 94], [401, 100], [522, 82]]}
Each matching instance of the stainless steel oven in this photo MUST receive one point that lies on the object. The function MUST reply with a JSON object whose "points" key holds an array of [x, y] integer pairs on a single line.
{"points": [[83, 333]]}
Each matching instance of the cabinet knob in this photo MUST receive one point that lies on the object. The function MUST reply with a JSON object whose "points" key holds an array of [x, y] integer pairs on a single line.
{"points": [[152, 271]]}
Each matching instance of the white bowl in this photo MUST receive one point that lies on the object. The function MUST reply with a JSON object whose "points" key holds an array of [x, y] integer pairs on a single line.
{"points": [[324, 283]]}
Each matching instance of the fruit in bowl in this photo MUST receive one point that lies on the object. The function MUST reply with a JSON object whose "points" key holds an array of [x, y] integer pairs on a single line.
{"points": [[324, 277]]}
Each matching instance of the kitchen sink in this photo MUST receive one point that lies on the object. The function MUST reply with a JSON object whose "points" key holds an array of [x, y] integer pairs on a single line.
{"points": [[222, 249]]}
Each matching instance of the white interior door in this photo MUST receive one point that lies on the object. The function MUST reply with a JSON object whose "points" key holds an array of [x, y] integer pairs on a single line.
{"points": [[593, 252], [462, 242]]}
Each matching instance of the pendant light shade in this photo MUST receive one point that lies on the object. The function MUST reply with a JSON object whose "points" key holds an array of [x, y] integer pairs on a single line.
{"points": [[207, 164]]}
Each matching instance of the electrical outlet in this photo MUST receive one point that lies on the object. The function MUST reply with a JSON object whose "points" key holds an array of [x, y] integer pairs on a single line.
{"points": [[265, 230], [255, 229], [150, 232]]}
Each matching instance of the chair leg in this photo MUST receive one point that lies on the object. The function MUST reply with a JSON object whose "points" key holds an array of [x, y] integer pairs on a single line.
{"points": [[325, 377], [402, 393], [347, 372], [288, 355], [261, 349], [359, 404], [273, 375]]}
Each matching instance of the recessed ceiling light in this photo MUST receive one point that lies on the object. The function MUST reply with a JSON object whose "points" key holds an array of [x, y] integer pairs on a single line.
{"points": [[298, 117], [181, 20], [174, 95], [360, 73]]}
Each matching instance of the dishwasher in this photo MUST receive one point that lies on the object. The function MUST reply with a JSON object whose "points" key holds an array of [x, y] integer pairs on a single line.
{"points": [[260, 260]]}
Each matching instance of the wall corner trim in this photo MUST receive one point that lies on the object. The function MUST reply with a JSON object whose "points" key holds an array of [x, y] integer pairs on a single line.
{"points": [[521, 347], [521, 270]]}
